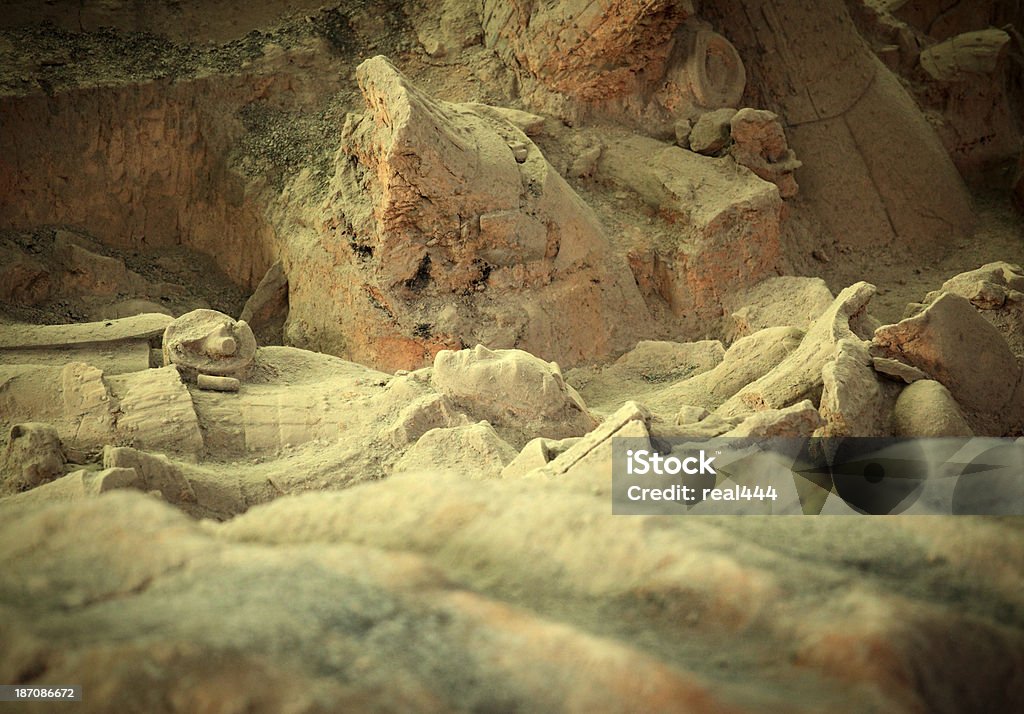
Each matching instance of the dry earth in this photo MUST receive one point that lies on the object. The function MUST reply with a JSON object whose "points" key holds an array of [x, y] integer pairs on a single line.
{"points": [[317, 321]]}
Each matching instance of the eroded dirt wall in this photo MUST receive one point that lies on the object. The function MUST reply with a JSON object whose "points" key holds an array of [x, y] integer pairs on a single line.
{"points": [[190, 20], [874, 170], [137, 166]]}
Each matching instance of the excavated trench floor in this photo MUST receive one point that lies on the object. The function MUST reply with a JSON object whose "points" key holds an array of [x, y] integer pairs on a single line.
{"points": [[145, 172]]}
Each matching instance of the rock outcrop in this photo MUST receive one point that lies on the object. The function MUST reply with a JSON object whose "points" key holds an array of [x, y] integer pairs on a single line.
{"points": [[855, 400], [927, 409], [33, 456], [475, 450], [759, 143], [513, 390], [644, 372], [787, 300], [874, 170], [605, 55], [711, 132], [747, 360], [439, 235], [799, 376], [863, 140], [729, 223], [997, 291], [954, 345]]}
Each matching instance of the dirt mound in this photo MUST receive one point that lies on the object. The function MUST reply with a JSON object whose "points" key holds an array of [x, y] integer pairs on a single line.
{"points": [[447, 227]]}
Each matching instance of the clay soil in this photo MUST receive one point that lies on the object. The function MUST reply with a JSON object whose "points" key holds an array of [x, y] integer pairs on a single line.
{"points": [[278, 137], [314, 580]]}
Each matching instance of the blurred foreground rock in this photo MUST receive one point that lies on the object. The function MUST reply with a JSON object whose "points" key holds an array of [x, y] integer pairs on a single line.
{"points": [[524, 596]]}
